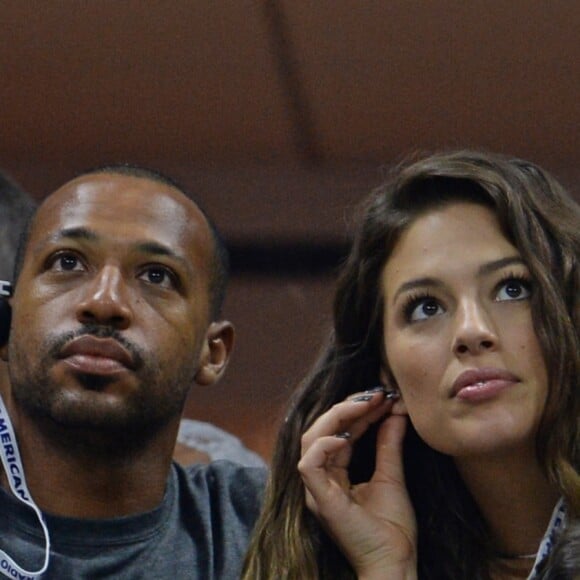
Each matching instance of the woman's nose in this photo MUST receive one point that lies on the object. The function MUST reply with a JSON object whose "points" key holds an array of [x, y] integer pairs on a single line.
{"points": [[474, 331]]}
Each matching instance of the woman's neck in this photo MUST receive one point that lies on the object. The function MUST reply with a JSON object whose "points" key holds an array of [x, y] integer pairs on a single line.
{"points": [[514, 497]]}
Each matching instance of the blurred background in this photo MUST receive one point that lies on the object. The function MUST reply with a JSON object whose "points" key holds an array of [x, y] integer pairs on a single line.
{"points": [[280, 116]]}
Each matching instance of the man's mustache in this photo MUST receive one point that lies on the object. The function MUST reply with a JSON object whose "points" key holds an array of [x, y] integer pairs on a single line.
{"points": [[98, 331]]}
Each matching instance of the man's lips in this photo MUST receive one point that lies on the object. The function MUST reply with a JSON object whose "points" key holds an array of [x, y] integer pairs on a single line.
{"points": [[482, 383], [94, 355]]}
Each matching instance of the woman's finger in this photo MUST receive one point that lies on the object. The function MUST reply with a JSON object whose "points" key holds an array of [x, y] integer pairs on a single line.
{"points": [[389, 453], [353, 416], [323, 469]]}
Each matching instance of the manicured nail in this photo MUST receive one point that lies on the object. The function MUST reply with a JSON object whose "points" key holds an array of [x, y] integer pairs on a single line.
{"points": [[362, 398], [392, 395], [376, 389], [343, 435]]}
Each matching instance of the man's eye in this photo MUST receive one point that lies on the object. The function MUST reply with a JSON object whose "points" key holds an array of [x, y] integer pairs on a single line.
{"points": [[65, 262], [158, 276], [513, 289]]}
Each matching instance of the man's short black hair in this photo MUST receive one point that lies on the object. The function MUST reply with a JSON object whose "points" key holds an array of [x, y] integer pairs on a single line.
{"points": [[219, 268]]}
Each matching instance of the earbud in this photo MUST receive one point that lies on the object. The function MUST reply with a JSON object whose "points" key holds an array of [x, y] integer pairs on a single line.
{"points": [[5, 311], [5, 318]]}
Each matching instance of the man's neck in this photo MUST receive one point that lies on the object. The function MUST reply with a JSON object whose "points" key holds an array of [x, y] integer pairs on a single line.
{"points": [[515, 498], [74, 483]]}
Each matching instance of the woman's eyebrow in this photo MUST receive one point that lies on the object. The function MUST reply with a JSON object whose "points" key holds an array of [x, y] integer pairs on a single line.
{"points": [[417, 283], [491, 267], [483, 270]]}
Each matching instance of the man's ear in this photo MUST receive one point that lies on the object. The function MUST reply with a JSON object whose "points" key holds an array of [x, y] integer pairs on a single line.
{"points": [[215, 352], [389, 382]]}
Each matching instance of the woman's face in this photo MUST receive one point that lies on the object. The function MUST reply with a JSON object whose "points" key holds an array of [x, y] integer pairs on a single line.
{"points": [[459, 336]]}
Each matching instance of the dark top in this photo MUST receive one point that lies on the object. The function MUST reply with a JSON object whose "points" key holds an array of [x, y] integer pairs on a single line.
{"points": [[200, 530]]}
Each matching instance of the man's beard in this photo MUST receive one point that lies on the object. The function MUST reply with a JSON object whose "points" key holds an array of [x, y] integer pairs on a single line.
{"points": [[93, 428]]}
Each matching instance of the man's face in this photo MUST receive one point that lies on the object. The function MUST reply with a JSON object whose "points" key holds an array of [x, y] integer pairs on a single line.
{"points": [[112, 306]]}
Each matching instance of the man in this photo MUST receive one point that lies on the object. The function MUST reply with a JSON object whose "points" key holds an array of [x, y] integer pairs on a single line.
{"points": [[16, 206], [115, 313]]}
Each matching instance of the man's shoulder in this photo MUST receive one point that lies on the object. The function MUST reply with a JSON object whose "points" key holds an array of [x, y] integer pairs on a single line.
{"points": [[224, 481], [225, 468]]}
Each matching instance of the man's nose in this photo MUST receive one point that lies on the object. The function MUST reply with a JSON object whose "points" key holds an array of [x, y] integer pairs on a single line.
{"points": [[475, 332], [105, 300]]}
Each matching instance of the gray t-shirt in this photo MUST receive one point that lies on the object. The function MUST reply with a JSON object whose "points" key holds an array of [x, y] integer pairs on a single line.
{"points": [[200, 531]]}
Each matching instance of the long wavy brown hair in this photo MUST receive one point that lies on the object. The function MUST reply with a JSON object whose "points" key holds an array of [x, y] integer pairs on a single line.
{"points": [[543, 222]]}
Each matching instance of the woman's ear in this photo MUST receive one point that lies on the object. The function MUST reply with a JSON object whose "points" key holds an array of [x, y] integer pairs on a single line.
{"points": [[215, 352], [389, 382]]}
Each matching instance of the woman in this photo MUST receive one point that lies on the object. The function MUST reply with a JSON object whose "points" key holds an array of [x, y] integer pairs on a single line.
{"points": [[459, 304]]}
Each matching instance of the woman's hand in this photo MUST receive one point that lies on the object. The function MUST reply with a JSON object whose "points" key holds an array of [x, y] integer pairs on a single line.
{"points": [[373, 523]]}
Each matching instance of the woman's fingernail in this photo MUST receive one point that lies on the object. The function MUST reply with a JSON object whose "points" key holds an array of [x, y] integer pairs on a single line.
{"points": [[343, 435], [362, 398], [392, 395], [376, 389]]}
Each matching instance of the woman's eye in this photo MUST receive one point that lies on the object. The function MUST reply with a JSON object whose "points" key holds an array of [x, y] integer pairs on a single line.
{"points": [[513, 289], [158, 276], [65, 262], [423, 309]]}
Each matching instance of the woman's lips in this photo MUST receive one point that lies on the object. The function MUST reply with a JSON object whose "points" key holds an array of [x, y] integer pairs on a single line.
{"points": [[97, 356], [481, 384]]}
